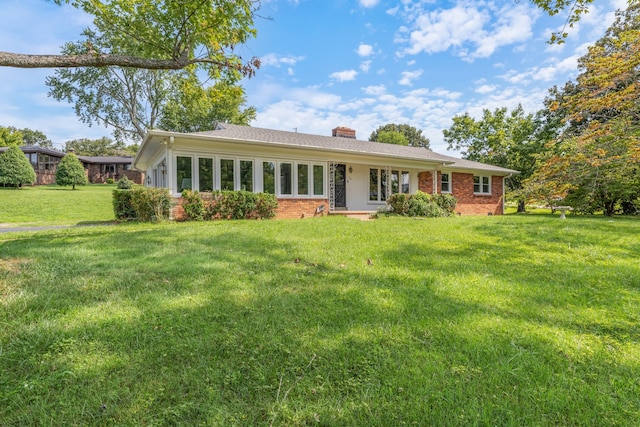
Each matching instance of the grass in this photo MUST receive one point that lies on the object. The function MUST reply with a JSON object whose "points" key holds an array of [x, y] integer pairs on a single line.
{"points": [[513, 320], [54, 205]]}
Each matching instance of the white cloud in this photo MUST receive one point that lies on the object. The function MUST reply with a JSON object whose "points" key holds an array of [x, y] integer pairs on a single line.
{"points": [[484, 89], [374, 90], [365, 66], [407, 77], [364, 50], [344, 76], [275, 60], [369, 3]]}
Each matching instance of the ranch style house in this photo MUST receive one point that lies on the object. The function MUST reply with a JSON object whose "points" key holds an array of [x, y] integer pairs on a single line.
{"points": [[312, 174]]}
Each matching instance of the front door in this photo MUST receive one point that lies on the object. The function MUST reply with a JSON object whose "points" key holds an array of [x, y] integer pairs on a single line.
{"points": [[340, 186]]}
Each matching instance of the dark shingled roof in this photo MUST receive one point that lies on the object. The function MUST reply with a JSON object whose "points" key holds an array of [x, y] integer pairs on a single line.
{"points": [[106, 159], [345, 145]]}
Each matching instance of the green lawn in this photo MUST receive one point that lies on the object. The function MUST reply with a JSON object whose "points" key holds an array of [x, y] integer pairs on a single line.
{"points": [[51, 204], [513, 320]]}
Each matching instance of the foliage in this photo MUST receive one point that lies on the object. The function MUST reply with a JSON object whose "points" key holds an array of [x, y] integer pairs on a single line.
{"points": [[15, 169], [594, 163], [71, 172], [122, 204], [241, 205], [446, 202], [110, 181], [194, 108], [35, 137], [193, 205], [125, 183], [503, 320], [151, 204], [389, 134], [153, 34], [500, 138], [575, 8], [399, 203], [97, 147], [422, 204], [10, 136]]}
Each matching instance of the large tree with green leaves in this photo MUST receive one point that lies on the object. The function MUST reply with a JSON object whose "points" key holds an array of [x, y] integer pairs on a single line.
{"points": [[15, 169], [159, 35], [97, 147], [10, 136], [500, 138], [594, 164], [71, 172], [400, 134]]}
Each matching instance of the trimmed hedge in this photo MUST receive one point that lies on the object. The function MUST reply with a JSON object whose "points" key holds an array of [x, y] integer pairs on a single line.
{"points": [[229, 205], [142, 204], [422, 204]]}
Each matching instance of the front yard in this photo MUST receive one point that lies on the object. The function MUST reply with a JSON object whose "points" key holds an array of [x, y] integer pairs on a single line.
{"points": [[514, 320]]}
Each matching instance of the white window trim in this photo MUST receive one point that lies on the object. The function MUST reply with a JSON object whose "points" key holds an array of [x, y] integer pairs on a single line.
{"points": [[481, 193], [449, 174]]}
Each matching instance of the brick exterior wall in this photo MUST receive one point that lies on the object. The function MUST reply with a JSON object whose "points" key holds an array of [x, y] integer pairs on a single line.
{"points": [[287, 208], [45, 177], [462, 189]]}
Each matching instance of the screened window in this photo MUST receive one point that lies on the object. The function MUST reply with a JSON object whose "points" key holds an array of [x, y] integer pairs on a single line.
{"points": [[269, 177], [318, 180], [286, 178], [481, 184], [226, 174], [246, 175], [183, 173], [205, 174], [303, 179], [445, 183]]}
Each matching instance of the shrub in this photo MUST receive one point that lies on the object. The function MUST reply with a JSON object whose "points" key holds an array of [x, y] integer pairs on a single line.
{"points": [[71, 172], [15, 169], [446, 202], [151, 204], [241, 205], [110, 180], [399, 203], [122, 207], [125, 183], [193, 205]]}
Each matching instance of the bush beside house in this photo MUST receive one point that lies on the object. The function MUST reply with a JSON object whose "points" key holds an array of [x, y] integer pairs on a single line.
{"points": [[15, 169], [422, 204]]}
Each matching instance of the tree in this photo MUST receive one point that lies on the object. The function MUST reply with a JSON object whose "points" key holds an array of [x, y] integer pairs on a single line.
{"points": [[131, 100], [10, 136], [70, 172], [153, 34], [97, 147], [413, 136], [500, 138], [194, 108], [35, 137], [15, 169], [594, 163]]}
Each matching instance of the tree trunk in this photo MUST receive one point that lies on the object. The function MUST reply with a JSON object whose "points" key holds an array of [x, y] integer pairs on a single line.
{"points": [[521, 206]]}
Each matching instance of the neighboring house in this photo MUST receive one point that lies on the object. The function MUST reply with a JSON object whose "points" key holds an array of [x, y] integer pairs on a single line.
{"points": [[312, 174], [44, 161], [99, 169]]}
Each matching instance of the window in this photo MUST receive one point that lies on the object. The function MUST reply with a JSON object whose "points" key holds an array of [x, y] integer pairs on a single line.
{"points": [[481, 184], [226, 174], [445, 183], [286, 179], [269, 177], [246, 175], [395, 182], [378, 187], [183, 173], [318, 180], [205, 174], [303, 179], [405, 182], [107, 169]]}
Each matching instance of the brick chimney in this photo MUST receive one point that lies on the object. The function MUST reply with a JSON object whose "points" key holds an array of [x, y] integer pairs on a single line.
{"points": [[343, 132]]}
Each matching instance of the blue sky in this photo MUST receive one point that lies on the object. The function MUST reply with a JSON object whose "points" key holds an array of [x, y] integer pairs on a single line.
{"points": [[355, 63]]}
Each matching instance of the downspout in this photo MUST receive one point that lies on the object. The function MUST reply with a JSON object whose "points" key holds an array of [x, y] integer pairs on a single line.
{"points": [[435, 182], [504, 178]]}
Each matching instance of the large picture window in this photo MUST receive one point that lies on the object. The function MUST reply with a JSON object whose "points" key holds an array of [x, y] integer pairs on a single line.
{"points": [[383, 184], [269, 177], [205, 174], [481, 184], [226, 174], [303, 179], [184, 173]]}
